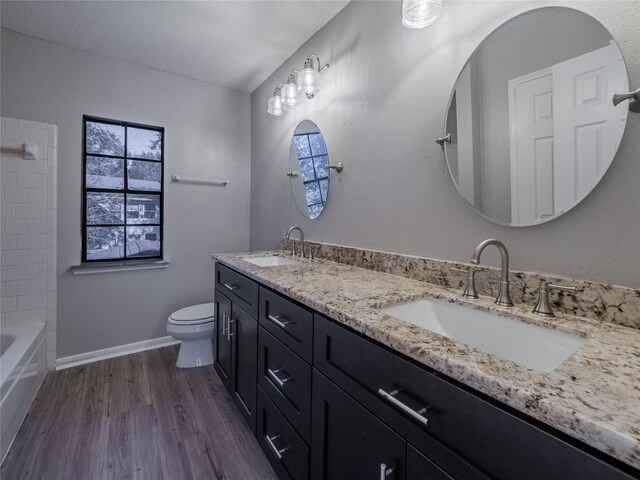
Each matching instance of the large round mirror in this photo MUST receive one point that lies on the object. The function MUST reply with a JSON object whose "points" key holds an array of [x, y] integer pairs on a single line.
{"points": [[309, 169], [531, 120]]}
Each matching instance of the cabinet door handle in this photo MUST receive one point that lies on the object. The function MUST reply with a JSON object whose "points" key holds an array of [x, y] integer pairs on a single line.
{"points": [[279, 381], [390, 397], [230, 287], [225, 320], [276, 319], [384, 471], [229, 334], [278, 452]]}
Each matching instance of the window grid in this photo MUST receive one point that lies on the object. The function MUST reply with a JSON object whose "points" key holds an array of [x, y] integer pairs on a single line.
{"points": [[125, 191]]}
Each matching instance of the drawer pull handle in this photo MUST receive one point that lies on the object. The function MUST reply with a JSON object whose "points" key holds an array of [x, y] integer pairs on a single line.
{"points": [[275, 449], [280, 381], [230, 287], [390, 396], [276, 319], [229, 334], [384, 471]]}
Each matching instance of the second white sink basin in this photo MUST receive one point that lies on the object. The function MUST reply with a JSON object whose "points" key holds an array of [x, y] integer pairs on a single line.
{"points": [[270, 261], [529, 345]]}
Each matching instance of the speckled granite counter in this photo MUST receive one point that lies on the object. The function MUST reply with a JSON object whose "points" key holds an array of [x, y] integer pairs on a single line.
{"points": [[594, 396]]}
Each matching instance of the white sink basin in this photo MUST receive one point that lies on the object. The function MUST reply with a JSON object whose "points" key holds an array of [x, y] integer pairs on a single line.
{"points": [[529, 345], [270, 261]]}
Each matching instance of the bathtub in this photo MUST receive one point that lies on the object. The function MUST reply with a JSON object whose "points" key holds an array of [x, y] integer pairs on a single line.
{"points": [[23, 365]]}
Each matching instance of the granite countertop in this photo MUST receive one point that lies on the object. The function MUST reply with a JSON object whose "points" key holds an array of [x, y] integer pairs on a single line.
{"points": [[594, 396]]}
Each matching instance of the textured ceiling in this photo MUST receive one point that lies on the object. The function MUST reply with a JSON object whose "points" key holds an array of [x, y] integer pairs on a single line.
{"points": [[236, 44]]}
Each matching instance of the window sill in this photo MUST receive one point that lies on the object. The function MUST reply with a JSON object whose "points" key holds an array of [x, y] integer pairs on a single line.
{"points": [[106, 267]]}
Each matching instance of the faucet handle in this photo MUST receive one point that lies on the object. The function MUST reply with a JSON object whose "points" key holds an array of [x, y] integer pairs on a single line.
{"points": [[470, 286], [543, 305]]}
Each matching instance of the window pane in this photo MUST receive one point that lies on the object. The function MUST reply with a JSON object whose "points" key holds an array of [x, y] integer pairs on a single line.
{"points": [[106, 139], [315, 211], [324, 189], [142, 143], [318, 146], [143, 209], [105, 208], [306, 169], [302, 145], [104, 172], [322, 166], [104, 243], [143, 241], [144, 175], [312, 191]]}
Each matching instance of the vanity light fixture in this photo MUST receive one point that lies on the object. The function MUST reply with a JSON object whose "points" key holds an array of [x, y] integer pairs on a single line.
{"points": [[276, 106], [298, 81], [420, 13]]}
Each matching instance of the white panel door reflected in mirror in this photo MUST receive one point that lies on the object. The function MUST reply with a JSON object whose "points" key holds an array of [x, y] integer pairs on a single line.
{"points": [[309, 169], [532, 123]]}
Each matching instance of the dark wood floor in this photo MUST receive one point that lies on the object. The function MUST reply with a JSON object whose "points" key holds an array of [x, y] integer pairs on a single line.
{"points": [[134, 417]]}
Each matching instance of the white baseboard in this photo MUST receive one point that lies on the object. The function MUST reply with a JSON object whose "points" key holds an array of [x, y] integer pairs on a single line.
{"points": [[90, 357]]}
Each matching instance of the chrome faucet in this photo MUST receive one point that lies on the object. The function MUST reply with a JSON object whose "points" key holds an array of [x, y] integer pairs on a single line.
{"points": [[293, 247], [543, 305], [503, 298]]}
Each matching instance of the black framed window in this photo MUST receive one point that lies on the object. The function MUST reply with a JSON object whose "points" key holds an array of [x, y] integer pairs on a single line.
{"points": [[123, 183]]}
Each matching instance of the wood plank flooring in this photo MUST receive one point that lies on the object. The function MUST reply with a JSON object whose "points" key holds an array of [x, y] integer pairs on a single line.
{"points": [[135, 417]]}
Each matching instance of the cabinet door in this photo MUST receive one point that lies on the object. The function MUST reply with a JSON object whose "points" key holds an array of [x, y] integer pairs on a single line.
{"points": [[349, 443], [244, 363], [222, 349], [420, 467]]}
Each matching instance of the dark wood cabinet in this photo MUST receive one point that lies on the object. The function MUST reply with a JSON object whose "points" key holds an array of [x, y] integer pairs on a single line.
{"points": [[348, 442], [236, 340], [419, 467], [222, 350], [244, 344]]}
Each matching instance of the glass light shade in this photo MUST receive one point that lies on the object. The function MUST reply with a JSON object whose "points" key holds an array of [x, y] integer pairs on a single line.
{"points": [[420, 13], [309, 81], [290, 94], [276, 106]]}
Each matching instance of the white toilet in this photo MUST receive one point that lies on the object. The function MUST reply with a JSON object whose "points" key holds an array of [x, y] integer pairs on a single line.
{"points": [[195, 327]]}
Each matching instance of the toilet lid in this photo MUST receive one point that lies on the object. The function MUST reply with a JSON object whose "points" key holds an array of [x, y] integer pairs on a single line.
{"points": [[205, 312]]}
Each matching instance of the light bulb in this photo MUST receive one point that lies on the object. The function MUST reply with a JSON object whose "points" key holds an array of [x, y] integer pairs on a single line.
{"points": [[275, 105], [420, 13], [290, 91], [309, 79]]}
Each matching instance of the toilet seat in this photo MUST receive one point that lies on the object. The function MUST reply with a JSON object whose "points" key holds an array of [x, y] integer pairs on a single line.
{"points": [[194, 315]]}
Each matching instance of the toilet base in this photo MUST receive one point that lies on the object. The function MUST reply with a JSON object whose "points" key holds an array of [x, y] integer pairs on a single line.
{"points": [[195, 353]]}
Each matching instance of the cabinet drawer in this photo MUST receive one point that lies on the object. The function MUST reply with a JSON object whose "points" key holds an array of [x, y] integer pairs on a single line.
{"points": [[288, 322], [286, 451], [286, 379], [239, 288], [501, 444]]}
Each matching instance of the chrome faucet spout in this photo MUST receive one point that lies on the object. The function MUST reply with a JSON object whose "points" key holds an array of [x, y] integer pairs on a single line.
{"points": [[288, 237], [504, 298]]}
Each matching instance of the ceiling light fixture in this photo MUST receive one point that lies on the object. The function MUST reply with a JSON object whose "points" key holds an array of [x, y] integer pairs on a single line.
{"points": [[298, 81], [420, 13]]}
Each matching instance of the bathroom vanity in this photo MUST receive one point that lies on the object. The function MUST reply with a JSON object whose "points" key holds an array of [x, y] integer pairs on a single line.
{"points": [[343, 390]]}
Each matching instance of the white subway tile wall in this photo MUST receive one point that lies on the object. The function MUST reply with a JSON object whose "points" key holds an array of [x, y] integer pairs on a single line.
{"points": [[28, 230]]}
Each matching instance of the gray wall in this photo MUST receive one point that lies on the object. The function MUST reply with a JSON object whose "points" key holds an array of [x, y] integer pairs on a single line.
{"points": [[207, 133], [382, 105]]}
